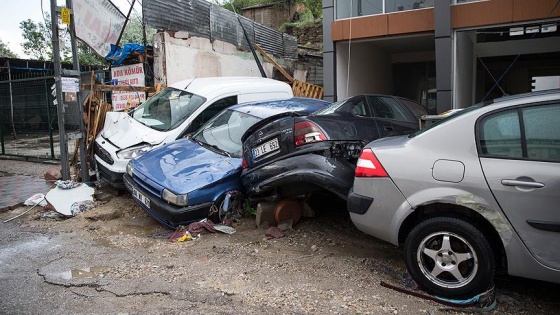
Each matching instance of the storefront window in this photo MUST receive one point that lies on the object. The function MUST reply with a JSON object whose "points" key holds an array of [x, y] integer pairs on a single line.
{"points": [[406, 5], [353, 8]]}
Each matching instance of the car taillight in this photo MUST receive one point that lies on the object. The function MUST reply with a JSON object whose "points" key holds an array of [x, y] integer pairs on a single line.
{"points": [[244, 163], [307, 132], [369, 166]]}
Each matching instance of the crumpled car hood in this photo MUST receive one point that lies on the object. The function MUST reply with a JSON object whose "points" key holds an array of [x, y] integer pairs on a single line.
{"points": [[184, 166], [124, 131]]}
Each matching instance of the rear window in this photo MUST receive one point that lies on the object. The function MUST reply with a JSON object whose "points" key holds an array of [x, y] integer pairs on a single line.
{"points": [[417, 109]]}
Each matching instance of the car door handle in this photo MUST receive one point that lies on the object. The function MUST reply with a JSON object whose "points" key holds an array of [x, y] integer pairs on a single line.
{"points": [[388, 128], [522, 183]]}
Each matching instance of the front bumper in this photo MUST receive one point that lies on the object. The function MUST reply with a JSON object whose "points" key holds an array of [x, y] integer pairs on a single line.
{"points": [[165, 213], [330, 173], [112, 178]]}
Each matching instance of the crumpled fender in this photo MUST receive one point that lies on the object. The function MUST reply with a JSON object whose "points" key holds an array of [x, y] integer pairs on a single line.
{"points": [[124, 131], [492, 213]]}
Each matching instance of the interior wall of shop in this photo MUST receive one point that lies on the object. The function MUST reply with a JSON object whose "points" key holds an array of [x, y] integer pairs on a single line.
{"points": [[362, 70], [513, 63]]}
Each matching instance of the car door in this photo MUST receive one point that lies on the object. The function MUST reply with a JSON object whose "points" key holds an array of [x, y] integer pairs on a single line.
{"points": [[519, 151], [393, 119]]}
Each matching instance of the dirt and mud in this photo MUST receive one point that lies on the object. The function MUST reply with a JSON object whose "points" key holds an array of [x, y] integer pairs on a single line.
{"points": [[115, 259]]}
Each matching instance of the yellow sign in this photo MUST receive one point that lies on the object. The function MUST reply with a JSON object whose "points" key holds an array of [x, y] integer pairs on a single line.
{"points": [[65, 15]]}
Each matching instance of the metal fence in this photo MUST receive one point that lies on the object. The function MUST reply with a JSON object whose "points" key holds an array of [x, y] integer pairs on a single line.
{"points": [[28, 115]]}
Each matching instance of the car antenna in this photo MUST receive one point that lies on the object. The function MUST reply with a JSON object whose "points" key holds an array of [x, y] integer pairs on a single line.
{"points": [[189, 83]]}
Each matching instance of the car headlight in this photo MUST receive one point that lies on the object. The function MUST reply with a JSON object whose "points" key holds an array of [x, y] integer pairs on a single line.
{"points": [[133, 152], [129, 169], [179, 200]]}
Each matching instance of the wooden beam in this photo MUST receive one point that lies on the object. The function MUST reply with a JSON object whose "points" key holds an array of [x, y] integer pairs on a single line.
{"points": [[276, 65]]}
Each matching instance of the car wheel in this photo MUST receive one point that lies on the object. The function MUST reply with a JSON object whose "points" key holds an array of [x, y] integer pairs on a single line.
{"points": [[449, 257]]}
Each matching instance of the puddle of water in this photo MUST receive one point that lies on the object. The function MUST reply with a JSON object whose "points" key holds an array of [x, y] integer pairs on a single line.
{"points": [[86, 273]]}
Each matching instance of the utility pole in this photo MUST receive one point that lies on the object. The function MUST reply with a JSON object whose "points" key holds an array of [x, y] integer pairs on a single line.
{"points": [[80, 98], [65, 171]]}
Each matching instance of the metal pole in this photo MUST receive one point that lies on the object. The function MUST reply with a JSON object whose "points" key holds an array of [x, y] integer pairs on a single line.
{"points": [[11, 100], [65, 171], [82, 151]]}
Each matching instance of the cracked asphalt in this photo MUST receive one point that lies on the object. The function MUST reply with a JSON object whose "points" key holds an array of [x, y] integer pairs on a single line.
{"points": [[114, 259]]}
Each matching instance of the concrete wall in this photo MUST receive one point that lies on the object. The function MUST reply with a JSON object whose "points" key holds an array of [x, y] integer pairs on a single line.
{"points": [[178, 56], [370, 70], [464, 69]]}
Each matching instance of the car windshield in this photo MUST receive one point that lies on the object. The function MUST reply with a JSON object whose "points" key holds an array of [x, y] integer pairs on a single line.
{"points": [[167, 109], [224, 131], [446, 119]]}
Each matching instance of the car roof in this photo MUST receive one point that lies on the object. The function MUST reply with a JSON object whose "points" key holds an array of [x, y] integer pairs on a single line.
{"points": [[205, 86], [264, 109], [536, 96]]}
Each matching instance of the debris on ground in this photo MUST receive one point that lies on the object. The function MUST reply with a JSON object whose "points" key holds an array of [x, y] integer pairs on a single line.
{"points": [[66, 194], [274, 232]]}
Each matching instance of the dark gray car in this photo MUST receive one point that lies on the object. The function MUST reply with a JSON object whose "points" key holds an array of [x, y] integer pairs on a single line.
{"points": [[476, 193]]}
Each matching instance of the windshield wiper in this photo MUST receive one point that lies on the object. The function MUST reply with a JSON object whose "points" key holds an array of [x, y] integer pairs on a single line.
{"points": [[215, 147]]}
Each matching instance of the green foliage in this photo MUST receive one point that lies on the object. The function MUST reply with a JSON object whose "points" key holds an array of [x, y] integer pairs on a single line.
{"points": [[38, 44], [5, 51], [238, 5], [37, 41], [133, 32], [314, 6]]}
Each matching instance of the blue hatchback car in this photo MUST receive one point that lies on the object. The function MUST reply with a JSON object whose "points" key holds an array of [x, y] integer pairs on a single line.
{"points": [[182, 181]]}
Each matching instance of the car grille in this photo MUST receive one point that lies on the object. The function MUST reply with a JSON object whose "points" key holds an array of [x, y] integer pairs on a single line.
{"points": [[103, 154]]}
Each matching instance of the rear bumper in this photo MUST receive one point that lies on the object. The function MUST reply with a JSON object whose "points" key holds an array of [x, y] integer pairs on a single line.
{"points": [[357, 203], [332, 174], [165, 213]]}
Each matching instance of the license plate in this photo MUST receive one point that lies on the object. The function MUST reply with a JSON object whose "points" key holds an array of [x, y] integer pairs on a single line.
{"points": [[143, 199], [266, 148]]}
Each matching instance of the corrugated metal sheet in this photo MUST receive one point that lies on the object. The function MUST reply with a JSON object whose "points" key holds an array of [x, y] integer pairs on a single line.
{"points": [[270, 40], [170, 16], [204, 19], [223, 25], [249, 28], [290, 46], [201, 12]]}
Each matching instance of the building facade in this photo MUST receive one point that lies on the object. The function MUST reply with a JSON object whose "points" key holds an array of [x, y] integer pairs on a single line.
{"points": [[443, 53]]}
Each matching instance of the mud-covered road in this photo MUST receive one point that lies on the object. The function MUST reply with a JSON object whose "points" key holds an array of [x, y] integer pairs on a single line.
{"points": [[116, 259]]}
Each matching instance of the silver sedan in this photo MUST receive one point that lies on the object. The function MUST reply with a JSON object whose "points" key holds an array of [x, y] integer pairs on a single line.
{"points": [[471, 195]]}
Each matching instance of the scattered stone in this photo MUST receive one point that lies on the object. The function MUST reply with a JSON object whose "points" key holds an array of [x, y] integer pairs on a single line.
{"points": [[54, 173]]}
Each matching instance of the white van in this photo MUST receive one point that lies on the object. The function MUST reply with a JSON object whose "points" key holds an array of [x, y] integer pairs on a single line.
{"points": [[174, 112]]}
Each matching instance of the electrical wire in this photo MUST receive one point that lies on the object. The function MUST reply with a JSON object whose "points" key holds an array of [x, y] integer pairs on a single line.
{"points": [[349, 52]]}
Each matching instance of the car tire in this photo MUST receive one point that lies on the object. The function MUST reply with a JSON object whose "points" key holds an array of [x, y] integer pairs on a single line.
{"points": [[450, 257]]}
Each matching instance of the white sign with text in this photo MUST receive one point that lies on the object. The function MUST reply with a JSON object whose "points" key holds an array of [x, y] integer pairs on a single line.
{"points": [[131, 75]]}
